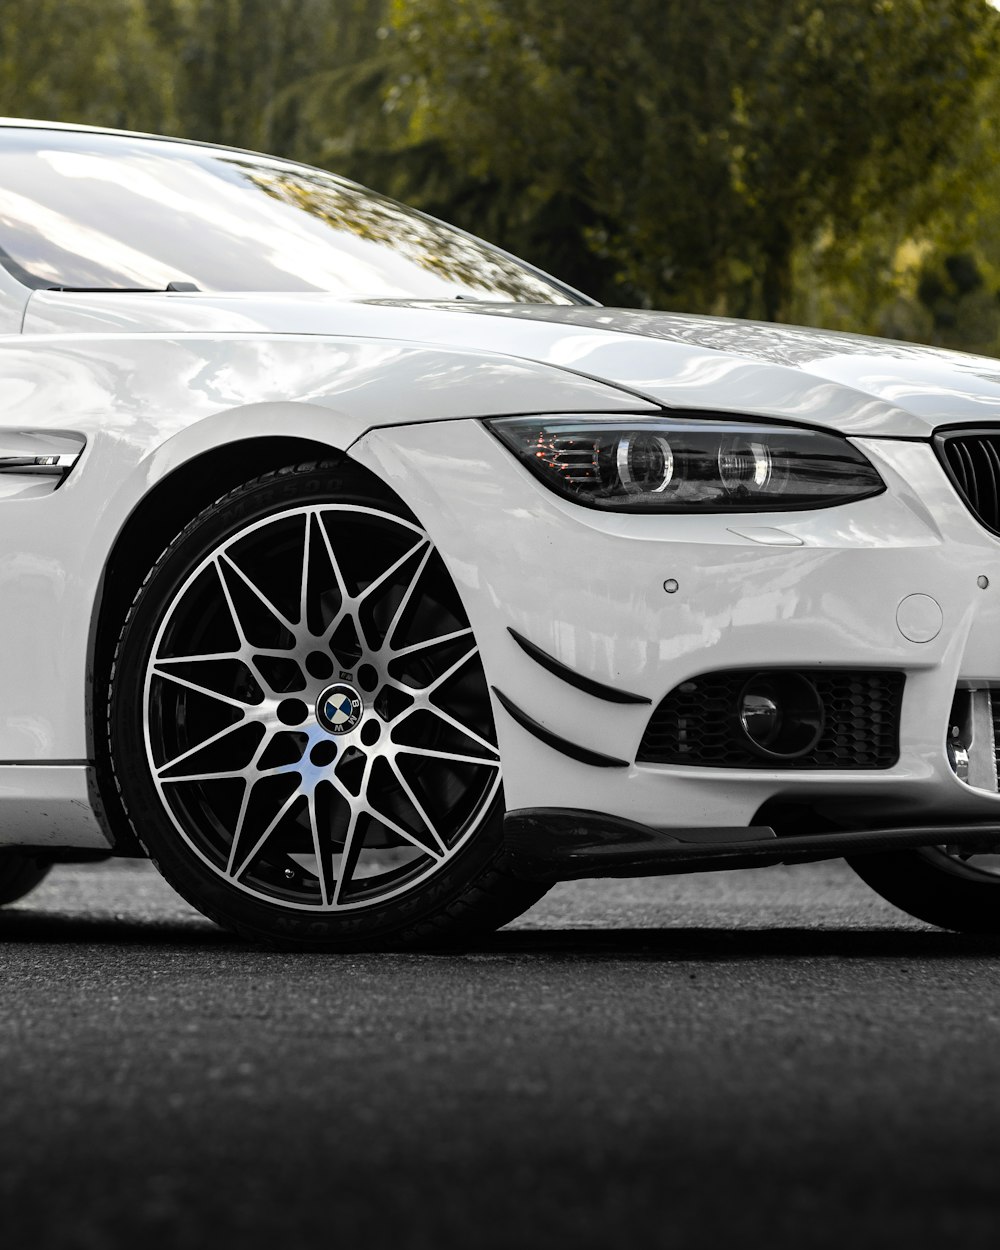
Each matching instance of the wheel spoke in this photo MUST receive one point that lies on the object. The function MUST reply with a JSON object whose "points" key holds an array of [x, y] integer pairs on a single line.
{"points": [[423, 705], [228, 596], [324, 865], [418, 806], [449, 672], [164, 675], [478, 739], [251, 781], [254, 589], [407, 596], [205, 657], [345, 596], [349, 857], [238, 827], [304, 587], [209, 742], [382, 578], [232, 775], [270, 828], [391, 825], [453, 756], [401, 652]]}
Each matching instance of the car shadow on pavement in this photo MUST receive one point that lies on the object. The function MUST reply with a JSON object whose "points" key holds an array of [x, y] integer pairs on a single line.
{"points": [[24, 925], [726, 944], [681, 943]]}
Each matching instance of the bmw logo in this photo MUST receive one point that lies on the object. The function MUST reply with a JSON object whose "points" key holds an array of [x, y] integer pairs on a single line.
{"points": [[339, 708]]}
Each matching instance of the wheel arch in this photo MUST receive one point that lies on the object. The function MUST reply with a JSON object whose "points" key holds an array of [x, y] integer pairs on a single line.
{"points": [[173, 501]]}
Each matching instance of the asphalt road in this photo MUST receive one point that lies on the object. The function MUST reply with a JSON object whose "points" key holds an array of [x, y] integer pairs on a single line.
{"points": [[769, 1058]]}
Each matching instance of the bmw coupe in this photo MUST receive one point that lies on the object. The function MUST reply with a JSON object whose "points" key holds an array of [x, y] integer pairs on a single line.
{"points": [[370, 580]]}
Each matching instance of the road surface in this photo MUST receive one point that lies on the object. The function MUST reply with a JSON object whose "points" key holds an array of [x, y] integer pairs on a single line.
{"points": [[770, 1058]]}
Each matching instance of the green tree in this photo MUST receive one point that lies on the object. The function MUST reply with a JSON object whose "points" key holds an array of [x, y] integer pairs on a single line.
{"points": [[702, 146], [269, 74], [92, 61], [293, 76]]}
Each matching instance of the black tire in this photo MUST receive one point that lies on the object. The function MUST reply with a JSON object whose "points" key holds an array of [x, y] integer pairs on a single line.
{"points": [[19, 874], [427, 814], [934, 887]]}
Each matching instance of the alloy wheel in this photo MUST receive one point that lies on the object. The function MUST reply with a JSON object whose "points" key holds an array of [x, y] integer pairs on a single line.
{"points": [[316, 718]]}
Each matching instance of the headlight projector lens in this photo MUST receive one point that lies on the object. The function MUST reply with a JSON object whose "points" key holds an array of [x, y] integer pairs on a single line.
{"points": [[780, 715], [745, 466], [645, 463]]}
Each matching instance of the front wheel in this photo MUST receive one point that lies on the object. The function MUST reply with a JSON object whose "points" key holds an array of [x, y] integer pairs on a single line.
{"points": [[945, 886], [300, 726]]}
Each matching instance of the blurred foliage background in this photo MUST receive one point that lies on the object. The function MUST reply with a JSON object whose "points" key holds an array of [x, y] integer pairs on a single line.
{"points": [[827, 162]]}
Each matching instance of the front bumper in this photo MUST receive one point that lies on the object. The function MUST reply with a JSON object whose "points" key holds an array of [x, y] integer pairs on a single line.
{"points": [[827, 588]]}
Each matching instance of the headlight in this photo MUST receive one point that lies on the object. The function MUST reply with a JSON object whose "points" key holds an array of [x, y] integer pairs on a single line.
{"points": [[656, 464]]}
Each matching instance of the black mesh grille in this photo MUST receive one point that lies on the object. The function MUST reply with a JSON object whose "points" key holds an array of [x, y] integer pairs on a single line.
{"points": [[697, 723], [972, 458]]}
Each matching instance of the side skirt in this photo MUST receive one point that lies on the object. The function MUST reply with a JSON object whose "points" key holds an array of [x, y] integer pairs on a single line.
{"points": [[48, 806]]}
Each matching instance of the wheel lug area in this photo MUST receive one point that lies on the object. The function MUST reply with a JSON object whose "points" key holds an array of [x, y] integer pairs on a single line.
{"points": [[292, 711], [370, 733], [323, 754], [319, 665], [368, 677]]}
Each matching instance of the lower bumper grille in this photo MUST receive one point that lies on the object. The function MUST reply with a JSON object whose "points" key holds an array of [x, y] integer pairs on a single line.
{"points": [[698, 722]]}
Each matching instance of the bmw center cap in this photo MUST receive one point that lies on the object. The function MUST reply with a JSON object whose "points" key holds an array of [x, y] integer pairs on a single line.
{"points": [[339, 708]]}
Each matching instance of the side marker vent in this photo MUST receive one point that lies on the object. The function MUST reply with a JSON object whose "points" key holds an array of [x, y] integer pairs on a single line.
{"points": [[583, 754], [572, 678], [36, 462]]}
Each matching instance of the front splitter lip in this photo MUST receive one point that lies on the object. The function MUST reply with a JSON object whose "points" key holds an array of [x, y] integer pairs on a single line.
{"points": [[564, 844]]}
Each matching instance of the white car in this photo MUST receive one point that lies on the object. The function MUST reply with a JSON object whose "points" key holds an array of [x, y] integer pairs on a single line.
{"points": [[370, 580]]}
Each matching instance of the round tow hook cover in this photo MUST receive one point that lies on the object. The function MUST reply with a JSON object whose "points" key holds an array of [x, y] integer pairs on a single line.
{"points": [[919, 618]]}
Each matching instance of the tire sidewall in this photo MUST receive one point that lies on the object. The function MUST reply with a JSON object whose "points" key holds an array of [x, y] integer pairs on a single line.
{"points": [[929, 892], [20, 873]]}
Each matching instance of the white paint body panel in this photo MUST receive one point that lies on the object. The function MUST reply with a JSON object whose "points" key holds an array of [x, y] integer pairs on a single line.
{"points": [[846, 382], [153, 381]]}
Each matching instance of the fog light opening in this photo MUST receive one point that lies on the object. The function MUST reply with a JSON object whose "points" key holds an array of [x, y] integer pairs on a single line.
{"points": [[780, 715]]}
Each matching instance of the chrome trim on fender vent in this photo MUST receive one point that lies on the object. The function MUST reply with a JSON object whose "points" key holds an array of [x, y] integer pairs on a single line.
{"points": [[36, 462], [971, 459], [698, 722]]}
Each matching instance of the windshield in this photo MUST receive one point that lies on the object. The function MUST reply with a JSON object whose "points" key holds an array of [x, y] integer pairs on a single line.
{"points": [[93, 211]]}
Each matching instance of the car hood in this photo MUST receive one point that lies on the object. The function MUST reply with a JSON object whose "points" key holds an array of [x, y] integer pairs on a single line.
{"points": [[858, 385]]}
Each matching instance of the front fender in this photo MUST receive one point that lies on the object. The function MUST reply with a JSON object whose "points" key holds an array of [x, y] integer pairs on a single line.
{"points": [[149, 405]]}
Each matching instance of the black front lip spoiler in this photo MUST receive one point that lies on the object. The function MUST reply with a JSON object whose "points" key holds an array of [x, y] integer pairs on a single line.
{"points": [[562, 844]]}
